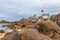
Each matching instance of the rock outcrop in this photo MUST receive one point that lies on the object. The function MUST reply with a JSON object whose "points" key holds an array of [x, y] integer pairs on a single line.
{"points": [[35, 28]]}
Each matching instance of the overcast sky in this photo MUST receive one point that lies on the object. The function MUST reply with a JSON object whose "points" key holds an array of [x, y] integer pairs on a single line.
{"points": [[13, 10]]}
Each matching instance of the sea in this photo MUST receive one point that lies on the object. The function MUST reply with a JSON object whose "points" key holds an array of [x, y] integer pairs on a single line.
{"points": [[4, 28]]}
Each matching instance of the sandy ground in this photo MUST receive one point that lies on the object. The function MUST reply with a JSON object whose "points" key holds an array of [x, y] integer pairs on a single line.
{"points": [[2, 34]]}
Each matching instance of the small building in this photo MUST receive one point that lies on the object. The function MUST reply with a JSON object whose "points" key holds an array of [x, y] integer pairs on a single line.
{"points": [[45, 15]]}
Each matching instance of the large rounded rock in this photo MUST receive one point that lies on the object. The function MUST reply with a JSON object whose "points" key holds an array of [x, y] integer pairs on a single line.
{"points": [[11, 36], [32, 34], [48, 25], [56, 18]]}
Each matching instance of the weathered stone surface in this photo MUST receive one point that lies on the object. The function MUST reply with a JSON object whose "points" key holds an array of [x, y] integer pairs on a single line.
{"points": [[11, 36], [32, 34]]}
